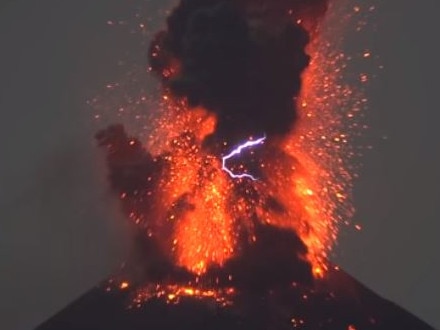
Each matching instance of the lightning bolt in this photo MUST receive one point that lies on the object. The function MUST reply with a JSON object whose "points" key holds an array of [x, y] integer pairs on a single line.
{"points": [[237, 151]]}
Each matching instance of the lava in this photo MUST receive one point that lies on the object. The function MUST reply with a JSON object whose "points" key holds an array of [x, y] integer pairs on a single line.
{"points": [[235, 232], [273, 70]]}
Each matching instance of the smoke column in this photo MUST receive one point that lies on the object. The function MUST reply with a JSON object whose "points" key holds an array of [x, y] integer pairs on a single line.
{"points": [[230, 71], [241, 60]]}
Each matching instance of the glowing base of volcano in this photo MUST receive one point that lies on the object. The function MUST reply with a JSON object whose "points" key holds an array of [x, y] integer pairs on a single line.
{"points": [[339, 303], [248, 293]]}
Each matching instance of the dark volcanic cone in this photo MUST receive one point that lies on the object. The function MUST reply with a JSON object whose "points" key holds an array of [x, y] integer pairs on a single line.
{"points": [[341, 303], [271, 291]]}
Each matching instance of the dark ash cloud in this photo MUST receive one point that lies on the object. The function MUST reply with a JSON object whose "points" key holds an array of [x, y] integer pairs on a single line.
{"points": [[242, 60]]}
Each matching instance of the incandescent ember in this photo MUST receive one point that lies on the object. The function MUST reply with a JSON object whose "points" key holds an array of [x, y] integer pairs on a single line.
{"points": [[240, 187], [231, 71]]}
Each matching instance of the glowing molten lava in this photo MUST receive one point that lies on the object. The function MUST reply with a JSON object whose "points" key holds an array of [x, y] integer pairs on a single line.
{"points": [[296, 173], [202, 202]]}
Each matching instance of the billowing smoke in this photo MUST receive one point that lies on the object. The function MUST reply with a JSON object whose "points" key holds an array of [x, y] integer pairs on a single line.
{"points": [[242, 60]]}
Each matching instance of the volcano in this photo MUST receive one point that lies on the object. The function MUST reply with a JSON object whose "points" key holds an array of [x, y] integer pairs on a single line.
{"points": [[337, 303], [240, 186], [259, 290]]}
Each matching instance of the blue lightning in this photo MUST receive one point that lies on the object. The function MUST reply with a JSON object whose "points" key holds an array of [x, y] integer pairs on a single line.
{"points": [[237, 151]]}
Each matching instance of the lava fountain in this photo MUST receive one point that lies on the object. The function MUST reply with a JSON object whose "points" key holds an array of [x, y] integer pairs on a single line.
{"points": [[242, 182], [231, 71]]}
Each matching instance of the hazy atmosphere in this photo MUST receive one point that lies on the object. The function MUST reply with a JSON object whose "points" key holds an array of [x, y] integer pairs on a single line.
{"points": [[61, 231]]}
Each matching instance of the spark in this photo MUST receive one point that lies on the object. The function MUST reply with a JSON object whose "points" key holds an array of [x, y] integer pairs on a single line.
{"points": [[237, 151], [313, 181]]}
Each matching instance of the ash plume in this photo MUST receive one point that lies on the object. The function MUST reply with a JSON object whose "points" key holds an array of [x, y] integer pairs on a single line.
{"points": [[242, 60]]}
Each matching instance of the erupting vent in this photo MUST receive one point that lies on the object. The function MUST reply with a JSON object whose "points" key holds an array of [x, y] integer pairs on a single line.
{"points": [[240, 179], [251, 135]]}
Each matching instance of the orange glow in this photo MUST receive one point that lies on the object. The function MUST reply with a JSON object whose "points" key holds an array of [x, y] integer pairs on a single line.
{"points": [[204, 234], [196, 207], [197, 200], [173, 293]]}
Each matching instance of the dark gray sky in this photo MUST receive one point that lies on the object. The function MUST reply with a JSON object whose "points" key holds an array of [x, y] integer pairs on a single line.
{"points": [[60, 230]]}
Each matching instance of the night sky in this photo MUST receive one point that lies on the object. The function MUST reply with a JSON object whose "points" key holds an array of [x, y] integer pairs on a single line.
{"points": [[60, 228]]}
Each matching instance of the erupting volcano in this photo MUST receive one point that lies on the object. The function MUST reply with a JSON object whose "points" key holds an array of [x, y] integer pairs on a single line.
{"points": [[231, 73], [241, 184]]}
